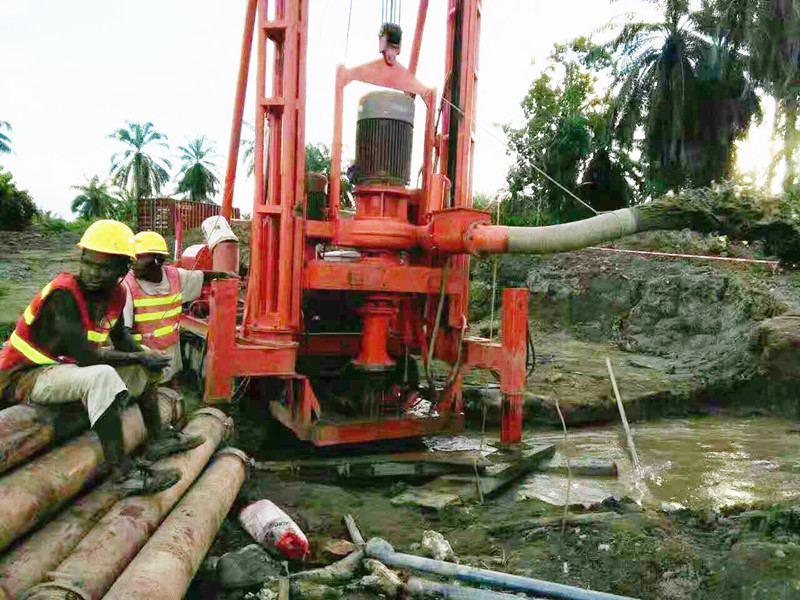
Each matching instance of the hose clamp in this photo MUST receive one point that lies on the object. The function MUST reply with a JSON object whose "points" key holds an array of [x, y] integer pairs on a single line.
{"points": [[248, 462]]}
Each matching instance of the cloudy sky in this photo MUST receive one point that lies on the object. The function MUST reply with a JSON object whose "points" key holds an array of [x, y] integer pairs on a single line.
{"points": [[71, 72]]}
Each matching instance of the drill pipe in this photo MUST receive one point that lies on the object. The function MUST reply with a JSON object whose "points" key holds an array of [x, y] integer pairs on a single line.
{"points": [[108, 548], [27, 563], [26, 429], [32, 493], [164, 568]]}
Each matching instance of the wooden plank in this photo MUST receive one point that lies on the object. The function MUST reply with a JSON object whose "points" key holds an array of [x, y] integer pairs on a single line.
{"points": [[581, 467], [452, 489]]}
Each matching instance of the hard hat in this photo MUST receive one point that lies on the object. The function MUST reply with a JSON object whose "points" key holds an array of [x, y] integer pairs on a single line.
{"points": [[110, 237], [150, 242]]}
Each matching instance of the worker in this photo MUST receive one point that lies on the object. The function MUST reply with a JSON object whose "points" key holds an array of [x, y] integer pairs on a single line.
{"points": [[154, 295], [70, 345]]}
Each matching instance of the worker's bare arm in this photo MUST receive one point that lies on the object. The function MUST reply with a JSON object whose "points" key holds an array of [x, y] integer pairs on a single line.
{"points": [[58, 331]]}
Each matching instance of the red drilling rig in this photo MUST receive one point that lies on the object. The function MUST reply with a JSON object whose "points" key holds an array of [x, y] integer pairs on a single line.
{"points": [[339, 310]]}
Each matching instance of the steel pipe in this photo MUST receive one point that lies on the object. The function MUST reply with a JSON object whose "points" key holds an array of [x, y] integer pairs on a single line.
{"points": [[32, 493], [383, 551], [26, 429], [27, 563], [108, 548], [164, 568]]}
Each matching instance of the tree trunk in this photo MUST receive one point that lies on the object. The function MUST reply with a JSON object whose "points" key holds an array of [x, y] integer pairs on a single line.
{"points": [[790, 141]]}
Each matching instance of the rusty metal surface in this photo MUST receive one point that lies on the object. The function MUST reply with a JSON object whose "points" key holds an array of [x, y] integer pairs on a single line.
{"points": [[27, 563], [32, 493], [164, 568], [107, 549]]}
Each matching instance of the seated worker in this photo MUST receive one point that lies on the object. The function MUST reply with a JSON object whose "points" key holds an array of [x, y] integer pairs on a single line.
{"points": [[70, 345], [155, 293]]}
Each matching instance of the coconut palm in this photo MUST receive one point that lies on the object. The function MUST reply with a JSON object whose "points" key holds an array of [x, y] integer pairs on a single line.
{"points": [[198, 178], [134, 168], [5, 141], [686, 89], [94, 201]]}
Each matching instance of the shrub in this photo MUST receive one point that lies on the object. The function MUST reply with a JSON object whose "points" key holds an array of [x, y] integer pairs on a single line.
{"points": [[16, 206]]}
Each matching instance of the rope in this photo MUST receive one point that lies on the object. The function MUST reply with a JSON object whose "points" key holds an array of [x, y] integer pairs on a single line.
{"points": [[347, 38], [507, 146]]}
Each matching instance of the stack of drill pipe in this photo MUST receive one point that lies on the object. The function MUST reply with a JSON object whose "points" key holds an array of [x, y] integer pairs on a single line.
{"points": [[108, 548], [164, 568], [28, 561], [26, 430], [33, 492]]}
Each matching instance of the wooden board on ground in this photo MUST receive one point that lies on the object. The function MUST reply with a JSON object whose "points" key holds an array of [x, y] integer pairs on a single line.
{"points": [[451, 489], [405, 464], [580, 467]]}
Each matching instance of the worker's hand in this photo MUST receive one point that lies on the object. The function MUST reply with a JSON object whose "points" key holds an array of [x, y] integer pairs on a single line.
{"points": [[153, 360]]}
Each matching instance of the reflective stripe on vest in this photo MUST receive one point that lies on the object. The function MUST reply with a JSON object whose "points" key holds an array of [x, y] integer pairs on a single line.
{"points": [[155, 318], [29, 352]]}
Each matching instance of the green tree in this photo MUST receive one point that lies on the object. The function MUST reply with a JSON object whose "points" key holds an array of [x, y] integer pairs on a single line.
{"points": [[565, 126], [198, 179], [126, 207], [681, 83], [16, 205], [5, 141], [94, 200], [135, 169], [770, 32]]}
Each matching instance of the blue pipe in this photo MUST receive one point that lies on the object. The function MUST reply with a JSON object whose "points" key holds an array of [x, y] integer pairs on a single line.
{"points": [[423, 588], [383, 551]]}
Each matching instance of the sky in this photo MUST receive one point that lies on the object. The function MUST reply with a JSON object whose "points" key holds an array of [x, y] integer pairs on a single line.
{"points": [[73, 72]]}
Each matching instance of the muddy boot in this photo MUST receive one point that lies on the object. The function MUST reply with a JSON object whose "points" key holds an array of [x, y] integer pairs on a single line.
{"points": [[143, 480], [172, 442], [163, 442]]}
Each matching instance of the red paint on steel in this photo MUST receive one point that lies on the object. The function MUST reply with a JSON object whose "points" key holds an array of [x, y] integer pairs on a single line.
{"points": [[512, 376], [238, 109], [417, 45], [376, 314]]}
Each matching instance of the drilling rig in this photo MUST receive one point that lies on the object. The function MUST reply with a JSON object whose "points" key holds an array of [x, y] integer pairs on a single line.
{"points": [[342, 314]]}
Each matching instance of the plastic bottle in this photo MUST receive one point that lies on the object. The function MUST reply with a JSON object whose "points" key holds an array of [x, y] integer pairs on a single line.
{"points": [[274, 529]]}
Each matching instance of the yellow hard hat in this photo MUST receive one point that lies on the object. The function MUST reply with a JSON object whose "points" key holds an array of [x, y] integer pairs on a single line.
{"points": [[150, 242], [111, 237]]}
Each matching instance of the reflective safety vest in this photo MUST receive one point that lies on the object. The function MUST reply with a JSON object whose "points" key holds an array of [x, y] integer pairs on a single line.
{"points": [[155, 318], [19, 351]]}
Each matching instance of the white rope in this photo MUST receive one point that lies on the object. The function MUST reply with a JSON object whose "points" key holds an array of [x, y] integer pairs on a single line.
{"points": [[507, 146]]}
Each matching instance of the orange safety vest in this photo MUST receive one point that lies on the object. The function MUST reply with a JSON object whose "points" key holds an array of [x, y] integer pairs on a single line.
{"points": [[19, 350], [155, 318]]}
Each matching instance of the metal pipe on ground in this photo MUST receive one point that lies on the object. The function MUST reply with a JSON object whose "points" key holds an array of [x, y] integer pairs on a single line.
{"points": [[26, 430], [108, 548], [164, 568], [383, 551], [28, 562], [34, 492]]}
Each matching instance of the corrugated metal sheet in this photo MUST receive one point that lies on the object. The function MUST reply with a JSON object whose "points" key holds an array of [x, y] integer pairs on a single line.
{"points": [[159, 214]]}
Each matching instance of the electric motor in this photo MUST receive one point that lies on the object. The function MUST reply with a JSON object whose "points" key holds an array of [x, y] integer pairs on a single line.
{"points": [[384, 135]]}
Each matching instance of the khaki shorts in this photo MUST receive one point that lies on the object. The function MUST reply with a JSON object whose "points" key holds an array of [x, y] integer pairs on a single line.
{"points": [[96, 386]]}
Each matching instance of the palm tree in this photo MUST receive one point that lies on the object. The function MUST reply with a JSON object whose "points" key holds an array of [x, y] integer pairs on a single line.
{"points": [[5, 141], [94, 200], [134, 168], [198, 177], [686, 89], [125, 207]]}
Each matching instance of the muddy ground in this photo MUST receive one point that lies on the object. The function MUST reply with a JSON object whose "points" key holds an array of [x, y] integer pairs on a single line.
{"points": [[682, 338]]}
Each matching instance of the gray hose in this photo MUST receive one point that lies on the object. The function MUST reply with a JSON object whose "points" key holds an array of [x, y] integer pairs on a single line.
{"points": [[573, 236], [383, 551], [422, 588]]}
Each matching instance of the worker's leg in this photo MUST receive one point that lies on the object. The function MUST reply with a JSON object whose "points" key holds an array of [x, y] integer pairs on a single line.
{"points": [[104, 394], [163, 441]]}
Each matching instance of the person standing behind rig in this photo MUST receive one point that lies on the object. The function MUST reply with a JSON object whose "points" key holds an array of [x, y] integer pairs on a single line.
{"points": [[155, 293], [70, 345]]}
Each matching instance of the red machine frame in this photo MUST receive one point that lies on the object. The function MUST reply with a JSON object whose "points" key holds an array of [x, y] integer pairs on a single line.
{"points": [[415, 242]]}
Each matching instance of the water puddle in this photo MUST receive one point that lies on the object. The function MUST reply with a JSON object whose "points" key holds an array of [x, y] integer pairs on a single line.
{"points": [[708, 462]]}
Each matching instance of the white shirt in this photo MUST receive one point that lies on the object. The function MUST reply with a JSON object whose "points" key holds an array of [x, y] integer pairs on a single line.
{"points": [[191, 287]]}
